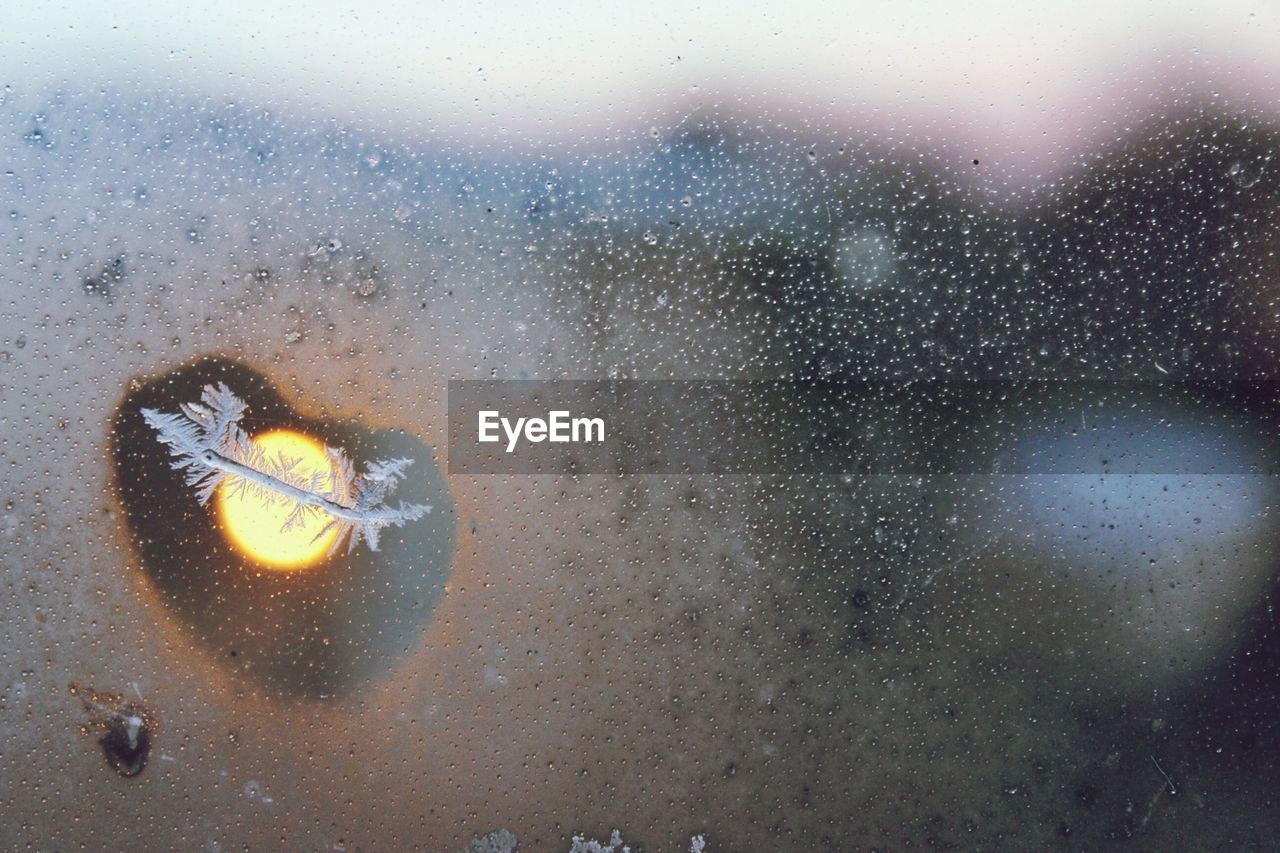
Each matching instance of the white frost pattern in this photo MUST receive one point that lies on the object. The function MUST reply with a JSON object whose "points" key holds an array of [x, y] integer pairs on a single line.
{"points": [[208, 443]]}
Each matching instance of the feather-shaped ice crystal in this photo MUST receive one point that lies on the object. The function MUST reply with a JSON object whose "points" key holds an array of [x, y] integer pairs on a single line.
{"points": [[208, 443]]}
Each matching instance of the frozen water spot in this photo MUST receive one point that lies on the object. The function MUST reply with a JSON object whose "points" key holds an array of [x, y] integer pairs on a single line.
{"points": [[499, 841], [103, 282], [865, 260], [1242, 175], [127, 741], [367, 285], [124, 728], [322, 250], [254, 793], [584, 845], [38, 137], [494, 672]]}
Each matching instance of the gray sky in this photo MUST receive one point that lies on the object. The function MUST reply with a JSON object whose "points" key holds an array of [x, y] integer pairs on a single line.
{"points": [[1025, 79]]}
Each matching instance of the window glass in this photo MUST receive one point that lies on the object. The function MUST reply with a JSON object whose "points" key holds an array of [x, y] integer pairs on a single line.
{"points": [[933, 347]]}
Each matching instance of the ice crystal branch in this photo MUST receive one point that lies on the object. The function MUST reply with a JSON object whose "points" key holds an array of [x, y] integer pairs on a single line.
{"points": [[208, 443], [505, 841]]}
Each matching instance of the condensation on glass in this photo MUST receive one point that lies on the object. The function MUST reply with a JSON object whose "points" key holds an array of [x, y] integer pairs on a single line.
{"points": [[1069, 642]]}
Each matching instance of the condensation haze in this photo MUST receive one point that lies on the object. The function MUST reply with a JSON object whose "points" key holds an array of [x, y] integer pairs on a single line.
{"points": [[346, 208]]}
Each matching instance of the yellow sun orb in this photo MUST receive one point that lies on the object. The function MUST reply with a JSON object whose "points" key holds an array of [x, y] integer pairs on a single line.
{"points": [[255, 525]]}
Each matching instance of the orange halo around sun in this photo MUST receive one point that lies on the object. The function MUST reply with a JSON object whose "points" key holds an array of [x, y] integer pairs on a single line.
{"points": [[254, 525]]}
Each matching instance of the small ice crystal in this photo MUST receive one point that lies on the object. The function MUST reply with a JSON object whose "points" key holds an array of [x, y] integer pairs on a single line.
{"points": [[697, 844], [615, 845], [501, 841]]}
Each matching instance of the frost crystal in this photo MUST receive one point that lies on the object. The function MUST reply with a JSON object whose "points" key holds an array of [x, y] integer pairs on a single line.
{"points": [[501, 841], [584, 845], [208, 443], [579, 844]]}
